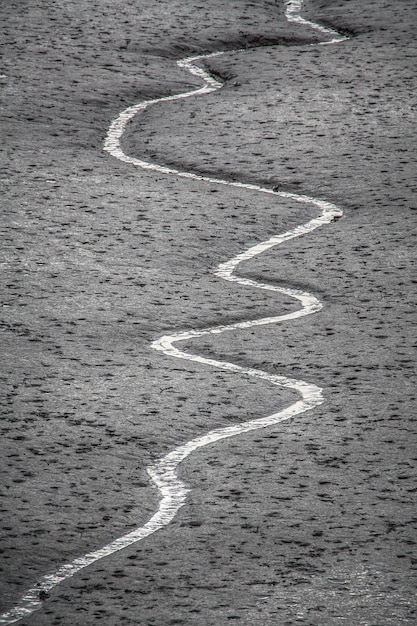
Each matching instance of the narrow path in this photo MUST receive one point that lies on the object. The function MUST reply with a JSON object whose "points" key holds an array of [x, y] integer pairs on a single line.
{"points": [[164, 472]]}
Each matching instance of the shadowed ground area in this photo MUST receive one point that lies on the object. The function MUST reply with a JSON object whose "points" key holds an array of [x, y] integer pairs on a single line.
{"points": [[312, 522]]}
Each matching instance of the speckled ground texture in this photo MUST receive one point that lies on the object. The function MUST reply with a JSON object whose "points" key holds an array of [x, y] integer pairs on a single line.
{"points": [[312, 522]]}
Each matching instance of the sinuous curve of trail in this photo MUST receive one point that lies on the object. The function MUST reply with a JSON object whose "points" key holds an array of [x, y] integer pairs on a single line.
{"points": [[164, 472]]}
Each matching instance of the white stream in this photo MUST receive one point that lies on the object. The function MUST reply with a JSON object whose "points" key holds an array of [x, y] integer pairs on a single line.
{"points": [[164, 472]]}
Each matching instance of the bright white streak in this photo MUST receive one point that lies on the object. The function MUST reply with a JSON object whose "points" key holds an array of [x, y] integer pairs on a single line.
{"points": [[293, 14], [163, 473]]}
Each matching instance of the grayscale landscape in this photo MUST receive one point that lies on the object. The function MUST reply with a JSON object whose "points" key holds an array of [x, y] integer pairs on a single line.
{"points": [[310, 521]]}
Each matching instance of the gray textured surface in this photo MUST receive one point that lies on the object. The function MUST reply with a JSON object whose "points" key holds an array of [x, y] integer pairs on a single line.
{"points": [[312, 522]]}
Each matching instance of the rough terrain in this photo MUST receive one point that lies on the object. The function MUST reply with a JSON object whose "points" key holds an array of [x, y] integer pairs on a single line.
{"points": [[313, 522]]}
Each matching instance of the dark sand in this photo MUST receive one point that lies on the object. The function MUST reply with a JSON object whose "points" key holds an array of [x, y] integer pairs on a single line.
{"points": [[312, 522]]}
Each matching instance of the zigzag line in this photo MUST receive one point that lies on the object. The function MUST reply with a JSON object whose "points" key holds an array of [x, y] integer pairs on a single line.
{"points": [[163, 473]]}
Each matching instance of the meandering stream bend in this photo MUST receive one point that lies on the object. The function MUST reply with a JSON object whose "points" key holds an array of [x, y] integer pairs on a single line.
{"points": [[164, 472]]}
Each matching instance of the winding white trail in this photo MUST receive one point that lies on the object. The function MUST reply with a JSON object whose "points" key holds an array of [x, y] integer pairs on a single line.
{"points": [[164, 472], [293, 14]]}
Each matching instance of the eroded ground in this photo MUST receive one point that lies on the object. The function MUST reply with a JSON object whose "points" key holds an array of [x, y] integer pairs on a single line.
{"points": [[312, 522]]}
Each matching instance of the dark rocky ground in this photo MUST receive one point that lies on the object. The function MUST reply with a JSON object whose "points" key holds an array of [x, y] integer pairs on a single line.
{"points": [[312, 522]]}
